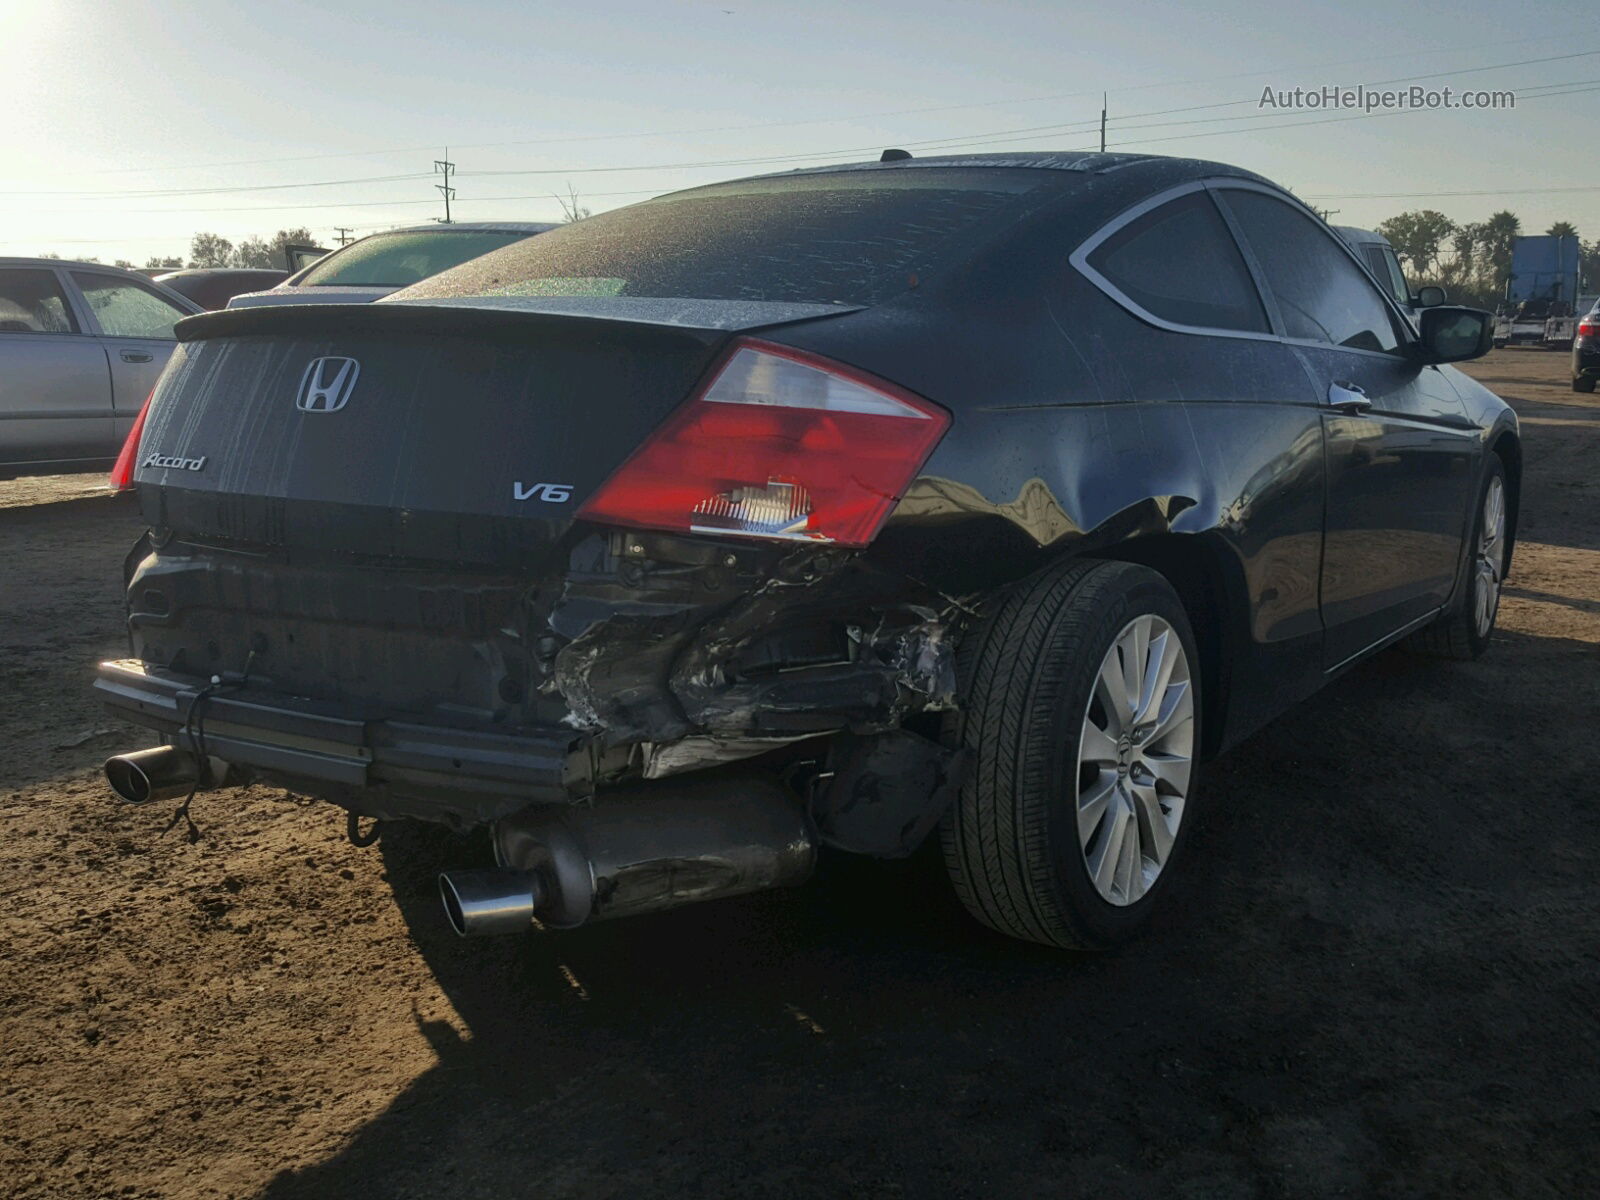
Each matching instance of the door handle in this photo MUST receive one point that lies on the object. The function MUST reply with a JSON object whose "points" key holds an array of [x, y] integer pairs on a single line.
{"points": [[136, 356], [1348, 398]]}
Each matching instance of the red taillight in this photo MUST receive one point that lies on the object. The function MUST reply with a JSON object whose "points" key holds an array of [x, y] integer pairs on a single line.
{"points": [[122, 472], [1589, 329], [777, 443]]}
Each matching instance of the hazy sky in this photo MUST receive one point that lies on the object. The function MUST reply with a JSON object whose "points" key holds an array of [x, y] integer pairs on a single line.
{"points": [[130, 124]]}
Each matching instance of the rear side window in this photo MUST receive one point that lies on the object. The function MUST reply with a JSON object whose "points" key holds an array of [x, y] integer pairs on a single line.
{"points": [[401, 259], [1178, 262], [1322, 295], [852, 237], [31, 302], [125, 309]]}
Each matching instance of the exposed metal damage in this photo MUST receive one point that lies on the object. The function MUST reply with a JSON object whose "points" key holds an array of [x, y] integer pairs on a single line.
{"points": [[703, 655], [631, 657]]}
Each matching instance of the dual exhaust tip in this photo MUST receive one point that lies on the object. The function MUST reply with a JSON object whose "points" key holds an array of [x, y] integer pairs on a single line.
{"points": [[637, 850]]}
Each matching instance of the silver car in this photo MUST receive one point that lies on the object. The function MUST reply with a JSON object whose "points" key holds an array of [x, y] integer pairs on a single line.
{"points": [[372, 267], [81, 345]]}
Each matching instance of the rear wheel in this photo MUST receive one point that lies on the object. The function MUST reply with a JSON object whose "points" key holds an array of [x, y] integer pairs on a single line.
{"points": [[1081, 713], [1465, 630], [1583, 384]]}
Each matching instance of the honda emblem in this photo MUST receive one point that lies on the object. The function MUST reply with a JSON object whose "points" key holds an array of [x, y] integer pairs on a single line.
{"points": [[327, 384]]}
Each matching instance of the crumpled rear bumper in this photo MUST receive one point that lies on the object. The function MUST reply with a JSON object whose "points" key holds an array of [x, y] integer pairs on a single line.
{"points": [[371, 763]]}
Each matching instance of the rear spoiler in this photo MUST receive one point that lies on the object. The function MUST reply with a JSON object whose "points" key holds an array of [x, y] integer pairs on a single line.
{"points": [[706, 320]]}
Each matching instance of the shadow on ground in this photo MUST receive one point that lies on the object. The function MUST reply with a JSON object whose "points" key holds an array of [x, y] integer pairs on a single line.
{"points": [[1336, 1005]]}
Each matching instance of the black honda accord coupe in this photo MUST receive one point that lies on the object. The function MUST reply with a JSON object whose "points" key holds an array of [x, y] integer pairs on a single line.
{"points": [[973, 498]]}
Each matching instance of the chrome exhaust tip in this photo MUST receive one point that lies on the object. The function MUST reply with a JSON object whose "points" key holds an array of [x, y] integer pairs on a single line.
{"points": [[159, 773], [490, 901], [634, 850]]}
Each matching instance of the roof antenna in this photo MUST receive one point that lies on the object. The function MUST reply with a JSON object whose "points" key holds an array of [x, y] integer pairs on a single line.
{"points": [[894, 156]]}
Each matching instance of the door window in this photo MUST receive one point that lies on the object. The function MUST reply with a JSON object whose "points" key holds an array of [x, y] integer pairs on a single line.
{"points": [[1178, 262], [1321, 294], [31, 301], [125, 309]]}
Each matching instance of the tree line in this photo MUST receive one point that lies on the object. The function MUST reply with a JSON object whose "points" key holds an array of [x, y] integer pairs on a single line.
{"points": [[1471, 260], [214, 250]]}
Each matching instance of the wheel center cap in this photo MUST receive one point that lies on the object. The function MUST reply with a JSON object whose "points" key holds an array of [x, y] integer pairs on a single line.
{"points": [[1124, 753]]}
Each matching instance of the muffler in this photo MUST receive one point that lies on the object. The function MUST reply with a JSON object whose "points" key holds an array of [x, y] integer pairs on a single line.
{"points": [[160, 773], [634, 851]]}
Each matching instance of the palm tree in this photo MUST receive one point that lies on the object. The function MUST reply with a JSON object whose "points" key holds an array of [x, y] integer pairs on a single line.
{"points": [[1562, 229], [1499, 231]]}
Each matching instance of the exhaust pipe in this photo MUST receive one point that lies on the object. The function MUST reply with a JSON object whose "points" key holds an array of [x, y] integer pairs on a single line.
{"points": [[484, 902], [635, 851], [160, 773]]}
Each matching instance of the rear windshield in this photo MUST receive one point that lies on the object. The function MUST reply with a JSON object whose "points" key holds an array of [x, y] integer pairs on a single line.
{"points": [[399, 259], [854, 237]]}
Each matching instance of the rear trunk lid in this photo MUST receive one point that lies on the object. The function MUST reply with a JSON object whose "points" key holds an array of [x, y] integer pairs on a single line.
{"points": [[464, 432]]}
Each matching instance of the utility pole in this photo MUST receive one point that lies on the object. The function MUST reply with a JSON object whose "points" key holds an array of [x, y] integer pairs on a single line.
{"points": [[445, 167], [343, 234], [1102, 122]]}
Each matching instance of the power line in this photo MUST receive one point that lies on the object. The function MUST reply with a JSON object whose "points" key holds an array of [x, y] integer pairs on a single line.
{"points": [[1432, 195], [970, 105], [1025, 134], [1544, 90], [257, 187], [311, 207]]}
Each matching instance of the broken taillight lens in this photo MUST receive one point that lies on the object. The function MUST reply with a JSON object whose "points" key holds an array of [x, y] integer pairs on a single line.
{"points": [[122, 470], [780, 444]]}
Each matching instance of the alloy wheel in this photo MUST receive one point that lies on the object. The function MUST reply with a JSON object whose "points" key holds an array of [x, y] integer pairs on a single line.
{"points": [[1489, 564], [1135, 760]]}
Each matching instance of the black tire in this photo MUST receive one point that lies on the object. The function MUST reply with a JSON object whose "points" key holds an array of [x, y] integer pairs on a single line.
{"points": [[1027, 673], [1583, 384], [1455, 634]]}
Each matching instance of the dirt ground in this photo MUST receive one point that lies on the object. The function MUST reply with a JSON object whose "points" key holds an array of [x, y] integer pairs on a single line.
{"points": [[1381, 979]]}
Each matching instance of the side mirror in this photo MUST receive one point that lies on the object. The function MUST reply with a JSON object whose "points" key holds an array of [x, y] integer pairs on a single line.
{"points": [[1452, 334], [1430, 297]]}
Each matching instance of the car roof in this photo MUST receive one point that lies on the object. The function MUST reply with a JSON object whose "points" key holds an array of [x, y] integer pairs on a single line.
{"points": [[1079, 161], [71, 262], [471, 227], [76, 265], [1360, 236], [205, 272]]}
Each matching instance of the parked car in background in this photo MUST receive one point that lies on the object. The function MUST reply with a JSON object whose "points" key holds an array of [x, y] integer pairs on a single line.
{"points": [[213, 287], [81, 345], [1378, 256], [1586, 351], [298, 257], [374, 266], [984, 494]]}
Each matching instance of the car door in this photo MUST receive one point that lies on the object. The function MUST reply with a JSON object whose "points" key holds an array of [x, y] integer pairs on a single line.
{"points": [[134, 323], [1401, 454], [55, 389]]}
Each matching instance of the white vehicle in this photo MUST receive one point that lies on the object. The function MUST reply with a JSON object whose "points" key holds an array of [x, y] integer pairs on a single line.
{"points": [[374, 266], [1377, 256]]}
